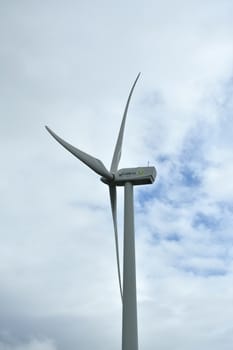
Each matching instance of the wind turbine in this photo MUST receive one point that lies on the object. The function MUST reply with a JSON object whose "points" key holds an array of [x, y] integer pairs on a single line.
{"points": [[128, 178]]}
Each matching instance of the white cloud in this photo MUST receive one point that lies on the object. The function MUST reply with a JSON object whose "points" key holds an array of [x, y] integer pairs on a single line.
{"points": [[31, 345]]}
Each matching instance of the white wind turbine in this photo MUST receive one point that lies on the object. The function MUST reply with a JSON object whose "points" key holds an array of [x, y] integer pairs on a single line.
{"points": [[128, 178]]}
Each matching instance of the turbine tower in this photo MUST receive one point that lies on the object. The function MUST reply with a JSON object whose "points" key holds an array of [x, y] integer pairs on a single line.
{"points": [[128, 178]]}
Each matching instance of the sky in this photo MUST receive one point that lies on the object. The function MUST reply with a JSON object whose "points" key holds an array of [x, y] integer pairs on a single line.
{"points": [[70, 65]]}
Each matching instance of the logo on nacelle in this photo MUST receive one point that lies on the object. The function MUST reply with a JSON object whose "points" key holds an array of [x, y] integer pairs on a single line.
{"points": [[140, 172]]}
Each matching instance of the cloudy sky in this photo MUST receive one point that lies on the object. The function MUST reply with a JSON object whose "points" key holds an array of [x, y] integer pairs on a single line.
{"points": [[70, 65]]}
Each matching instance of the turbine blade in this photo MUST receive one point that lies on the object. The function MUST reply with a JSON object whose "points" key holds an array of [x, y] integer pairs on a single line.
{"points": [[113, 199], [117, 152], [93, 163]]}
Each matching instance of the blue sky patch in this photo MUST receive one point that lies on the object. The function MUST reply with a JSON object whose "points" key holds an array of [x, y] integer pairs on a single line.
{"points": [[207, 221], [174, 237], [205, 272], [189, 177]]}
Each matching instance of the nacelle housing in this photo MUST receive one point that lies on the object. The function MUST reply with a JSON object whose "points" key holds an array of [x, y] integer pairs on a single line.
{"points": [[137, 176]]}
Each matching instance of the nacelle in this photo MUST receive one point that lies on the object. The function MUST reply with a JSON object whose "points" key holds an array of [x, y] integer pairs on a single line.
{"points": [[137, 176]]}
